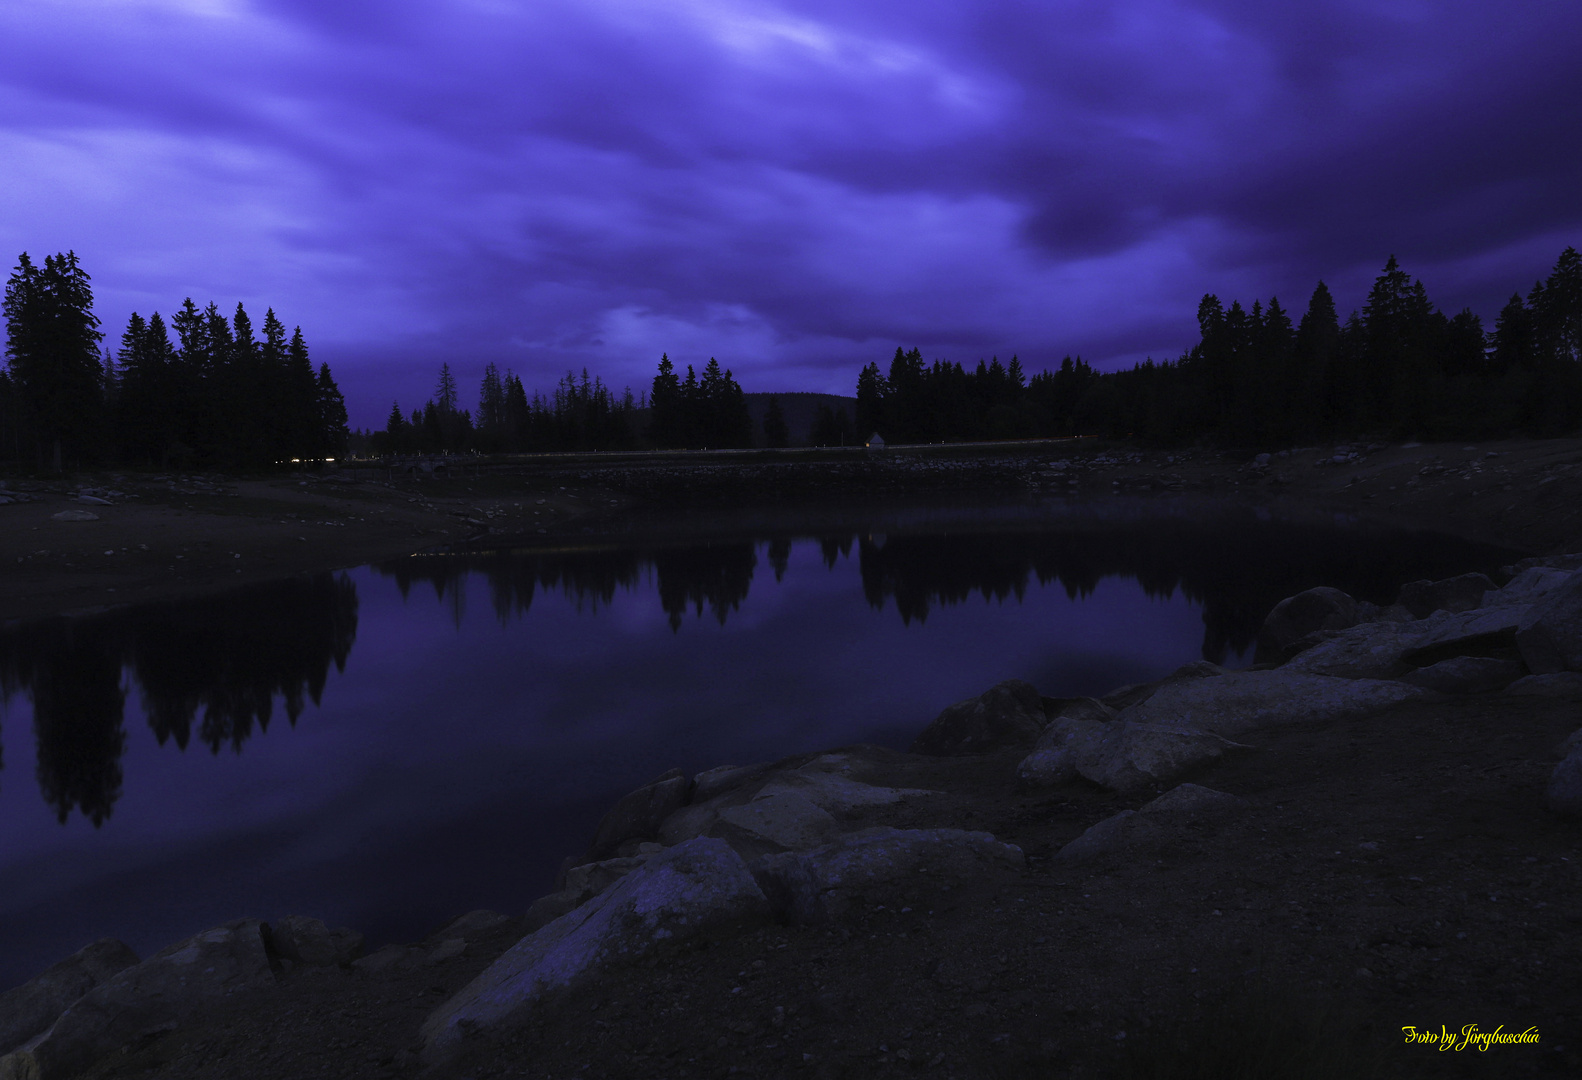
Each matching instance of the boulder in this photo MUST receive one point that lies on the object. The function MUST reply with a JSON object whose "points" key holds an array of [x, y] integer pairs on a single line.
{"points": [[75, 515], [472, 926], [1560, 684], [1565, 783], [1155, 826], [1461, 593], [699, 887], [1010, 714], [582, 883], [1467, 675], [1187, 804], [781, 820], [1549, 634], [1315, 611], [30, 1008], [304, 940], [1367, 651], [640, 813], [1241, 701], [1135, 693], [1481, 632], [824, 883], [712, 782], [1123, 756], [1528, 587], [159, 994]]}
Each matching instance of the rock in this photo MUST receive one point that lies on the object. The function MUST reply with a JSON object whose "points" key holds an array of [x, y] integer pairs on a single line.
{"points": [[305, 940], [1241, 701], [1528, 587], [713, 782], [387, 959], [582, 883], [1188, 803], [93, 500], [1560, 684], [1461, 593], [6, 500], [1481, 632], [779, 821], [473, 926], [1466, 675], [1122, 832], [699, 887], [1550, 633], [1123, 697], [75, 515], [1320, 610], [1122, 756], [1153, 827], [1366, 651], [823, 884], [1565, 784], [159, 994], [689, 821], [834, 793], [32, 1007], [1010, 714], [640, 813]]}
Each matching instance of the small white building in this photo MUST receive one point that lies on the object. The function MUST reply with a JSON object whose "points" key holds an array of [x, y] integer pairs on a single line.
{"points": [[875, 442]]}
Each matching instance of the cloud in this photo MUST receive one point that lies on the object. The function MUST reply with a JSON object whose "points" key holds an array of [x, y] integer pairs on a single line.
{"points": [[561, 183]]}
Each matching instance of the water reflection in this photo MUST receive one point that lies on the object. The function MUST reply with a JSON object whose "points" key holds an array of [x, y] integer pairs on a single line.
{"points": [[1234, 569], [220, 661]]}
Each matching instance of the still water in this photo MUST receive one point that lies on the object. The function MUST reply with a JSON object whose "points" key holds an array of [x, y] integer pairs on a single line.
{"points": [[391, 746]]}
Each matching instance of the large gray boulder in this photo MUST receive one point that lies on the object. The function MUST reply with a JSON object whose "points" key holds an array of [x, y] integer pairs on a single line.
{"points": [[1461, 593], [1528, 587], [699, 887], [159, 994], [1297, 618], [779, 820], [639, 814], [1369, 650], [1007, 715], [301, 939], [824, 883], [1242, 701], [1122, 756], [1467, 675], [30, 1008], [1550, 633], [724, 778], [1155, 826], [583, 883]]}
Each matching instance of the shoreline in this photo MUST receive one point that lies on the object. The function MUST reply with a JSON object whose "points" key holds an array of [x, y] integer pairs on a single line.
{"points": [[1395, 865], [161, 536]]}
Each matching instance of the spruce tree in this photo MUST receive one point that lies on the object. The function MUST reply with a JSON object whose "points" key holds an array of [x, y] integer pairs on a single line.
{"points": [[52, 350], [331, 410], [301, 419]]}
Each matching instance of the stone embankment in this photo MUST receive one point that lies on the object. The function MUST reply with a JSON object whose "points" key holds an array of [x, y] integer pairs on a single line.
{"points": [[805, 842]]}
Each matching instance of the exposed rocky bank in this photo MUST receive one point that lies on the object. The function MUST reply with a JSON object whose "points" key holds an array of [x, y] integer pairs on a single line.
{"points": [[1259, 872]]}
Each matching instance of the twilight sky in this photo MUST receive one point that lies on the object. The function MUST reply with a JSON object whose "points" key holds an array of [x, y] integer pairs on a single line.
{"points": [[796, 188]]}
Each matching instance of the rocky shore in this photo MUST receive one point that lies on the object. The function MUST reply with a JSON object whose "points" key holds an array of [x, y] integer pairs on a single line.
{"points": [[1260, 872]]}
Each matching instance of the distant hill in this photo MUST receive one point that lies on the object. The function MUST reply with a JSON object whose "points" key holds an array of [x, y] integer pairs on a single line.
{"points": [[799, 410]]}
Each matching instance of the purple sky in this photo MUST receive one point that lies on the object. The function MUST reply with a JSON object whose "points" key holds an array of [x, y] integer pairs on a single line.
{"points": [[795, 188]]}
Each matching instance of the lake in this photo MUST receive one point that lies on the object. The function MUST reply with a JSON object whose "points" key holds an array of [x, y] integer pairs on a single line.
{"points": [[391, 746]]}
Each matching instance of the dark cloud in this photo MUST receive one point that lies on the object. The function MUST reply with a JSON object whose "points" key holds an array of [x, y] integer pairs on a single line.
{"points": [[796, 188]]}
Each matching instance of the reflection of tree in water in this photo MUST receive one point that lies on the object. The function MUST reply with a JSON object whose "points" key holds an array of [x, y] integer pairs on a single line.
{"points": [[231, 655], [227, 656], [1235, 570], [714, 574], [588, 578]]}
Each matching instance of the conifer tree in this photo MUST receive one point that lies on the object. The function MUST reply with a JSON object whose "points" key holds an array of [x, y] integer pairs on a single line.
{"points": [[52, 350], [776, 433], [331, 410]]}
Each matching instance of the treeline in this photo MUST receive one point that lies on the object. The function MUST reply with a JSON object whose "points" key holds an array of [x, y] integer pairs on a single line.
{"points": [[1397, 368], [219, 396], [580, 414]]}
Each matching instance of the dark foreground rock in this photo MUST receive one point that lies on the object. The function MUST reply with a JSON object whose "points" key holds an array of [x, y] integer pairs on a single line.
{"points": [[32, 1007]]}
